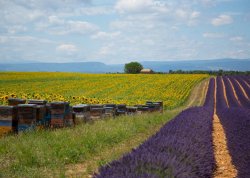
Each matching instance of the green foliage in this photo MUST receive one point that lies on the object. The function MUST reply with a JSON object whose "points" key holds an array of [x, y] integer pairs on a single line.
{"points": [[133, 68]]}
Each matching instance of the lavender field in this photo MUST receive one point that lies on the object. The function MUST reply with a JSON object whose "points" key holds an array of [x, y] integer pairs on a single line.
{"points": [[208, 141]]}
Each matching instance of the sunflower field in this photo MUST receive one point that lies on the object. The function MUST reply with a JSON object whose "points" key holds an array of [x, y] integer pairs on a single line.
{"points": [[78, 88]]}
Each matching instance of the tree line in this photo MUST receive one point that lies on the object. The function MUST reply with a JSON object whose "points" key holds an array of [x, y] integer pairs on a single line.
{"points": [[136, 67]]}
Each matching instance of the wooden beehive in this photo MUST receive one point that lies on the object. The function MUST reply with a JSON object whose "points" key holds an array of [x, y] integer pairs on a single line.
{"points": [[69, 120], [8, 119], [96, 111], [37, 102], [131, 110], [15, 101], [81, 113], [142, 109], [121, 109], [41, 116], [27, 114], [155, 106], [159, 105], [48, 115], [109, 110], [58, 111]]}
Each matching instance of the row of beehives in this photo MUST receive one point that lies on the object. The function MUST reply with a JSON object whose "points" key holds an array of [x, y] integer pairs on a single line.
{"points": [[19, 116]]}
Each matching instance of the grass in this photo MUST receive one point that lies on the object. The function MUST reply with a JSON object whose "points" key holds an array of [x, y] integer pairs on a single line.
{"points": [[80, 150], [37, 153]]}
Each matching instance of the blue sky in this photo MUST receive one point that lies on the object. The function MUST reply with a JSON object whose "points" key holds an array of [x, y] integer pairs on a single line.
{"points": [[123, 30]]}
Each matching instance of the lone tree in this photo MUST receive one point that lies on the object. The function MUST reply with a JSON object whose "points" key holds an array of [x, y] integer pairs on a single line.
{"points": [[133, 68]]}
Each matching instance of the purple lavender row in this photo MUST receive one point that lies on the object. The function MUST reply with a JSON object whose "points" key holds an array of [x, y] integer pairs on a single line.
{"points": [[182, 148], [209, 102], [221, 101], [230, 94], [243, 100], [236, 123], [246, 78], [244, 85]]}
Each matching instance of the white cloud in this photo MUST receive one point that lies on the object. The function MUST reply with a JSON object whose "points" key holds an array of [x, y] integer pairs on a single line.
{"points": [[16, 29], [55, 20], [61, 27], [181, 13], [222, 20], [238, 53], [213, 35], [236, 39], [195, 14], [68, 48], [105, 35], [107, 50], [14, 48], [91, 11], [24, 39], [140, 6]]}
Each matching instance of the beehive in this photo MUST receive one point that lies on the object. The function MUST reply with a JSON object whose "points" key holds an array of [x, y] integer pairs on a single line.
{"points": [[41, 116], [15, 101], [37, 102], [121, 109], [58, 111], [81, 113], [69, 120], [27, 114], [8, 119], [155, 106], [142, 109], [131, 110], [96, 111], [159, 105], [48, 115], [110, 110]]}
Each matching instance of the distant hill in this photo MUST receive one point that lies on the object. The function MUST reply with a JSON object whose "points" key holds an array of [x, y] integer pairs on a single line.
{"points": [[224, 64], [160, 66], [87, 67]]}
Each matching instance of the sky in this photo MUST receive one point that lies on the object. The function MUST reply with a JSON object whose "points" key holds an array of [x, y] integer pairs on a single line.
{"points": [[120, 31]]}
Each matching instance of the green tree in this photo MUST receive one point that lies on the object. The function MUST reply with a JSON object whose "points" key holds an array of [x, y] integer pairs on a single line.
{"points": [[133, 68]]}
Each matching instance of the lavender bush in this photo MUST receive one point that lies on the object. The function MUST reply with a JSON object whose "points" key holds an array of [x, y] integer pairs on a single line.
{"points": [[243, 100], [230, 94], [182, 148], [236, 123], [220, 102], [242, 81]]}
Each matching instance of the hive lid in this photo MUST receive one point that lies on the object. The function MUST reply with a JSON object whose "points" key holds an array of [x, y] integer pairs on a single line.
{"points": [[57, 102], [7, 107], [110, 105], [81, 106], [131, 107], [32, 101], [16, 99], [96, 106], [26, 105], [107, 107]]}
